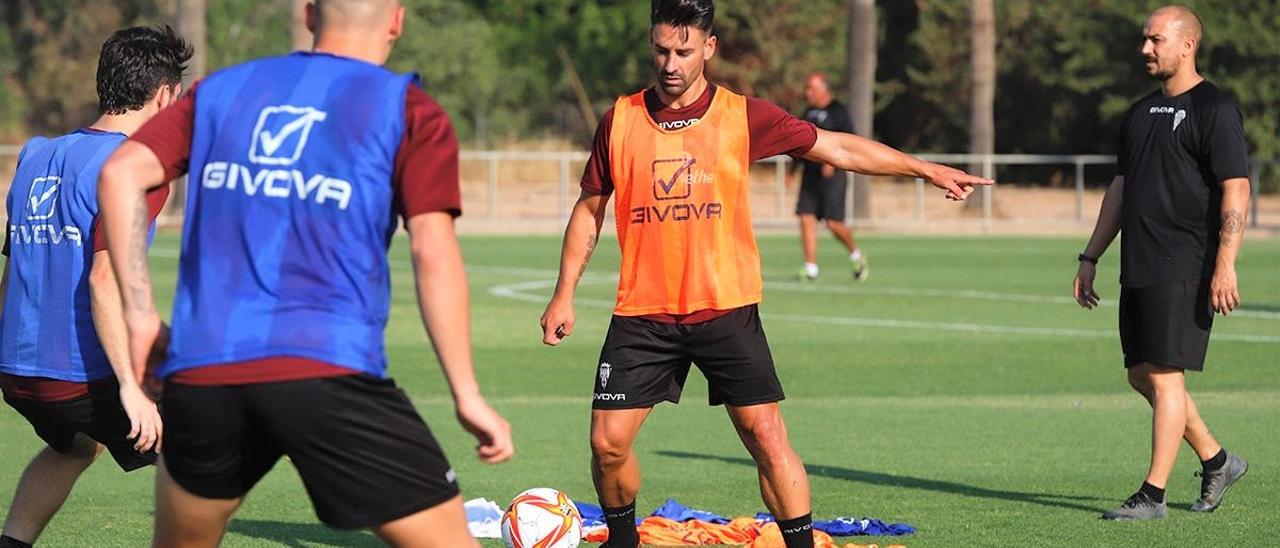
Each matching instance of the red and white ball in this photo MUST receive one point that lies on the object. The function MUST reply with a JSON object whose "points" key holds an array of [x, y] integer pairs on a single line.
{"points": [[542, 518]]}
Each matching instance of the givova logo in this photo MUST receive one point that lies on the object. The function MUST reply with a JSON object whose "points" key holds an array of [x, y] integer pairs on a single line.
{"points": [[279, 139], [279, 126], [42, 199], [42, 206]]}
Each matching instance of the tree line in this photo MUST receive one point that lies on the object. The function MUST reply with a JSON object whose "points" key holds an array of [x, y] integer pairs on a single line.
{"points": [[1048, 76]]}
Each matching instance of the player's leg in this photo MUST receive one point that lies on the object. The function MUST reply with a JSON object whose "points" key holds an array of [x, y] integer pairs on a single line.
{"points": [[1169, 419], [186, 520], [44, 486], [614, 467], [842, 233], [441, 526], [784, 484], [1197, 433], [215, 451], [642, 363], [834, 192], [808, 206], [366, 458], [733, 353], [809, 244]]}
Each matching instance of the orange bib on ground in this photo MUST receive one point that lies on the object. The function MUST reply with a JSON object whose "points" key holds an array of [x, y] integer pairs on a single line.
{"points": [[683, 217]]}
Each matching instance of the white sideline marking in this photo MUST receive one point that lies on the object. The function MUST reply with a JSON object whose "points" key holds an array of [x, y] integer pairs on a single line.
{"points": [[518, 291], [969, 294]]}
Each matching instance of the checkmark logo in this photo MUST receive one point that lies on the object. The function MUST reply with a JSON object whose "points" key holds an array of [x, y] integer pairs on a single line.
{"points": [[684, 165], [42, 197], [281, 124]]}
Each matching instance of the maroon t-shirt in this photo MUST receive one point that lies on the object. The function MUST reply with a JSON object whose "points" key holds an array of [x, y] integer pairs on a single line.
{"points": [[772, 131], [425, 180]]}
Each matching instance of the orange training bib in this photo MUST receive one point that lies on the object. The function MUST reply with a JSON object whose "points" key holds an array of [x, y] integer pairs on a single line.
{"points": [[683, 217]]}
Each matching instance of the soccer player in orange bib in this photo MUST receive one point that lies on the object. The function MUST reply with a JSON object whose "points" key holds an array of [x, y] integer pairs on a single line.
{"points": [[677, 157]]}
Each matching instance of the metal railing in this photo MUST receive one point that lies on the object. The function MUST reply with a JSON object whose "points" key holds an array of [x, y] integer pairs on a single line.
{"points": [[543, 176]]}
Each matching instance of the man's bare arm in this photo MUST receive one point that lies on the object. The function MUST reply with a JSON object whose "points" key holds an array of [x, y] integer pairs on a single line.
{"points": [[1108, 225], [127, 175], [1104, 232], [1224, 289], [108, 320], [443, 300], [109, 323], [861, 155], [580, 240]]}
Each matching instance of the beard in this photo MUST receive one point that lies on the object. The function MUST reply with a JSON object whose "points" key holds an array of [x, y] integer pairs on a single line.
{"points": [[1161, 73]]}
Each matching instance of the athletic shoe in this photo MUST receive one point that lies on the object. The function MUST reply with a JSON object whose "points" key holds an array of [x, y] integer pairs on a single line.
{"points": [[860, 269], [804, 275], [1213, 485], [1137, 507]]}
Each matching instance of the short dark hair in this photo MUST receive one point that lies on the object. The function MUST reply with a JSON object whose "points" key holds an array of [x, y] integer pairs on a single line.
{"points": [[135, 63], [699, 14]]}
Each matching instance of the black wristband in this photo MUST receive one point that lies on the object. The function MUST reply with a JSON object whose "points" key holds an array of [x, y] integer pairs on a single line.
{"points": [[1088, 259]]}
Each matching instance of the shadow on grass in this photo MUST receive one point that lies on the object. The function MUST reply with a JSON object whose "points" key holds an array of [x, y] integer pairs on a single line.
{"points": [[909, 482], [296, 534]]}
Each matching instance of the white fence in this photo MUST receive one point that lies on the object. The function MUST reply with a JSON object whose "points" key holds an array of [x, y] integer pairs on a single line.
{"points": [[503, 187]]}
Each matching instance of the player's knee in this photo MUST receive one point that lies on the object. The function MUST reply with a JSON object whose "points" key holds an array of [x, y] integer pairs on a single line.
{"points": [[1139, 380], [766, 439], [834, 225], [609, 451], [83, 448]]}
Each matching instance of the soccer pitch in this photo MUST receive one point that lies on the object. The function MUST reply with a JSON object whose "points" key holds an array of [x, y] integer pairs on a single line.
{"points": [[958, 390]]}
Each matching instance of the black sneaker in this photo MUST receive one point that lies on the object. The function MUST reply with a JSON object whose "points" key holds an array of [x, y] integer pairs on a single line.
{"points": [[1213, 485], [1137, 507]]}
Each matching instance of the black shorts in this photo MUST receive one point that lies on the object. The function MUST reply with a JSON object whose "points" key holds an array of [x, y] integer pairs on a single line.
{"points": [[1166, 325], [645, 362], [363, 452], [823, 198], [99, 416]]}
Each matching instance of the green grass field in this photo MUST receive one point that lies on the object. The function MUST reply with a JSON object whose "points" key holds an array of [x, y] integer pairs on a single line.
{"points": [[958, 391]]}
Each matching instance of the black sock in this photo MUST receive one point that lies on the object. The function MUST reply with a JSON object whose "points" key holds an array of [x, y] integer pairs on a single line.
{"points": [[622, 526], [798, 532], [7, 541], [1215, 462], [1156, 493]]}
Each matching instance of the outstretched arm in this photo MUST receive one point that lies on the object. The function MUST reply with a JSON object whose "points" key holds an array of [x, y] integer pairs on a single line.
{"points": [[128, 174], [1224, 289], [859, 154], [580, 239], [109, 323], [1103, 234], [441, 281]]}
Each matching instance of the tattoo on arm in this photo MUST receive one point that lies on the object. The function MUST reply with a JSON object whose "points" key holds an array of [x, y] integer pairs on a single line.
{"points": [[140, 284], [590, 249], [1232, 224]]}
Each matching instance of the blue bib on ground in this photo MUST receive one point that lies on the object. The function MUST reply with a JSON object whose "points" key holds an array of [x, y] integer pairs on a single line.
{"points": [[46, 329], [289, 214]]}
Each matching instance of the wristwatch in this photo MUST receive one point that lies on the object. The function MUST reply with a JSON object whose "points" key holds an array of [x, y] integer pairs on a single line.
{"points": [[1088, 259]]}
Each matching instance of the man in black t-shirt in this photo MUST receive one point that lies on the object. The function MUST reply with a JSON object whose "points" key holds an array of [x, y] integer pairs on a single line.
{"points": [[1180, 196], [823, 187]]}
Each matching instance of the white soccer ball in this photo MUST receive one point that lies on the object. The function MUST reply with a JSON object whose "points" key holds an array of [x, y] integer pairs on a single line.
{"points": [[542, 518]]}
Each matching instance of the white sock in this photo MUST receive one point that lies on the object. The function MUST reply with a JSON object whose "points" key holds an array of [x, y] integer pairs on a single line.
{"points": [[856, 255], [811, 269]]}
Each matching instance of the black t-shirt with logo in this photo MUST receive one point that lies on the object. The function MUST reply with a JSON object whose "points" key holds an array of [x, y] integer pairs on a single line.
{"points": [[1174, 153], [832, 118]]}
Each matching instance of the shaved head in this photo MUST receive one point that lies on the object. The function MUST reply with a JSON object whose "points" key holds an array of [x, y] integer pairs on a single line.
{"points": [[363, 29], [1180, 19], [354, 14]]}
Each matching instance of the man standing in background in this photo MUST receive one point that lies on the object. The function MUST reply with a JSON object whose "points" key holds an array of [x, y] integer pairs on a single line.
{"points": [[823, 187], [1180, 195]]}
